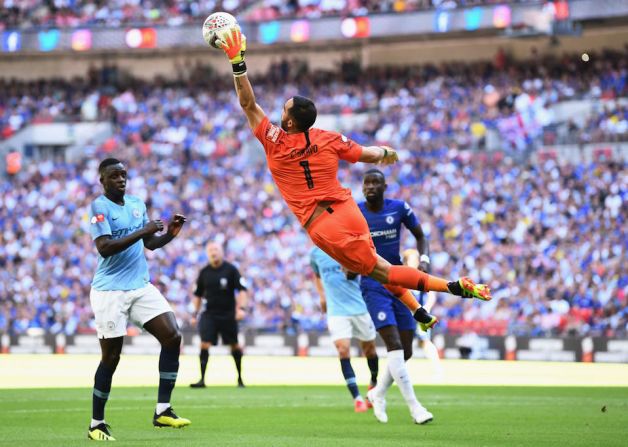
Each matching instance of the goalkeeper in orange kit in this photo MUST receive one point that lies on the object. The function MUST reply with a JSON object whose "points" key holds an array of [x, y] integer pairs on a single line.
{"points": [[303, 161]]}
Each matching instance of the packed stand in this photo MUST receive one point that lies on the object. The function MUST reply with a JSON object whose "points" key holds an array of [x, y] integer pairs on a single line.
{"points": [[26, 14], [462, 105], [315, 9], [550, 240]]}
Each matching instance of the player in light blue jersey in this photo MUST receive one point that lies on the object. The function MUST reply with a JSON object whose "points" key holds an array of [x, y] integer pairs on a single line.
{"points": [[347, 317], [121, 291], [393, 321]]}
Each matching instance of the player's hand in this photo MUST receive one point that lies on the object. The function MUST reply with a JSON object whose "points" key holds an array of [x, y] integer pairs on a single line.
{"points": [[240, 314], [154, 226], [390, 156], [324, 306], [233, 43], [193, 321], [424, 266], [175, 224]]}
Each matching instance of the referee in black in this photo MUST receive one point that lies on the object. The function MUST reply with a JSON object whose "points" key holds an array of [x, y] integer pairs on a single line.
{"points": [[217, 284]]}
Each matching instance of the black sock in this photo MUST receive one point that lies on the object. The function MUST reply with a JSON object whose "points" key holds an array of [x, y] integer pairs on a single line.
{"points": [[204, 359], [237, 358], [373, 363], [455, 288], [422, 316], [102, 387], [349, 374], [168, 369]]}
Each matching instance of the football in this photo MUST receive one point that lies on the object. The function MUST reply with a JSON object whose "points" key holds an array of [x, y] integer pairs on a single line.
{"points": [[215, 23]]}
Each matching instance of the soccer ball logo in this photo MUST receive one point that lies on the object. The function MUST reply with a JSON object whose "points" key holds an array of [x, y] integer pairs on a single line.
{"points": [[215, 23]]}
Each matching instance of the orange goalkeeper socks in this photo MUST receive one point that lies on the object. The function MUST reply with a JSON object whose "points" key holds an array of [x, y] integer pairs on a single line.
{"points": [[405, 296], [410, 278]]}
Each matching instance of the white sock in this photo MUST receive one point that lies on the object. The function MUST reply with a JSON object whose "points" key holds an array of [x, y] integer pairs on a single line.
{"points": [[432, 354], [397, 366], [384, 382], [95, 422], [162, 407], [359, 397]]}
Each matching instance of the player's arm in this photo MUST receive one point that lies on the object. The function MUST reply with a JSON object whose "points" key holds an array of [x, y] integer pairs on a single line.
{"points": [[197, 299], [153, 242], [107, 246], [321, 292], [423, 246], [378, 154], [233, 43], [318, 283], [246, 96]]}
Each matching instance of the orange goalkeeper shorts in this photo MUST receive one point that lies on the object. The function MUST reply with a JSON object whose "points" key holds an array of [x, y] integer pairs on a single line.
{"points": [[342, 233]]}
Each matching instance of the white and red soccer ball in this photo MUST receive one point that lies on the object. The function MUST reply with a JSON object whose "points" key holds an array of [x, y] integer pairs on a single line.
{"points": [[216, 23]]}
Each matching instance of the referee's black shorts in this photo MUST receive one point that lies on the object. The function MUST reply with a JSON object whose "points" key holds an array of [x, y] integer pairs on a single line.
{"points": [[210, 326]]}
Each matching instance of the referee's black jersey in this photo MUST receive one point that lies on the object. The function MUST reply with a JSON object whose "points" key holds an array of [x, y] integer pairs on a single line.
{"points": [[217, 286]]}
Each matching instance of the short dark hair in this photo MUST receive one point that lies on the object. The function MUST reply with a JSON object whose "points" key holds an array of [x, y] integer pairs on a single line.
{"points": [[107, 162], [376, 172], [303, 112]]}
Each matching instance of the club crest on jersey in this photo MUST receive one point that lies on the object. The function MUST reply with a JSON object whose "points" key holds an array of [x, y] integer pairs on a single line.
{"points": [[137, 213], [381, 316], [223, 283], [273, 133], [390, 220], [98, 218]]}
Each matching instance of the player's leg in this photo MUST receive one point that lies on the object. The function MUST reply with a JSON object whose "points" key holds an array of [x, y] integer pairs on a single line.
{"points": [[431, 352], [341, 332], [364, 331], [343, 346], [165, 329], [379, 305], [110, 315], [110, 357], [372, 360], [151, 311], [407, 327], [411, 278], [209, 336], [407, 339], [344, 235]]}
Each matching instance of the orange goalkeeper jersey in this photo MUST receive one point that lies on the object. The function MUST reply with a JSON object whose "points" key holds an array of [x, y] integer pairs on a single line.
{"points": [[306, 176]]}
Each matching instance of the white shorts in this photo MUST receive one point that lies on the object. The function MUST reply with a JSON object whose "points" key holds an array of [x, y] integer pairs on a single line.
{"points": [[114, 308], [354, 326]]}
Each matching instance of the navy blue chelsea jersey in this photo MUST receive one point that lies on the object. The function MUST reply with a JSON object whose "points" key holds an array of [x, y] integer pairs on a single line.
{"points": [[385, 227]]}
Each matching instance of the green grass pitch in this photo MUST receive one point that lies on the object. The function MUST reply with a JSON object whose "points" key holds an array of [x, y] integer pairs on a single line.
{"points": [[306, 416]]}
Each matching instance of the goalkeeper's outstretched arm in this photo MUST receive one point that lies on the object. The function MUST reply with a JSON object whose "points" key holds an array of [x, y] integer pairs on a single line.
{"points": [[246, 96], [233, 43]]}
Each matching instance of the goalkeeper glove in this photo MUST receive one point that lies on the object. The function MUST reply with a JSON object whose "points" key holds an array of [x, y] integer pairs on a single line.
{"points": [[233, 43], [389, 156]]}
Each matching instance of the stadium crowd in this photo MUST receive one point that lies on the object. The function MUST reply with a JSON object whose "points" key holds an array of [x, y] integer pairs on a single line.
{"points": [[457, 103], [550, 239], [79, 13]]}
